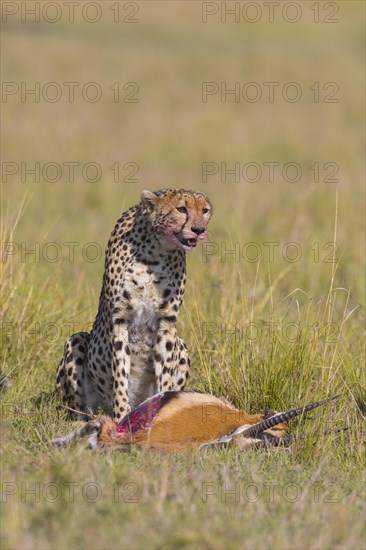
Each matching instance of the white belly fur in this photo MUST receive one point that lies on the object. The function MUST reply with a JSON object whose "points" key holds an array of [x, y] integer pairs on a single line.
{"points": [[142, 337]]}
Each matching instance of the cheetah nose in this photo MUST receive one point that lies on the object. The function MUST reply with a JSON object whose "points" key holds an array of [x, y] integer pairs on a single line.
{"points": [[198, 230]]}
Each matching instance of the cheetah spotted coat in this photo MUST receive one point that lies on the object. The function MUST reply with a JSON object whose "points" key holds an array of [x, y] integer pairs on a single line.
{"points": [[133, 350]]}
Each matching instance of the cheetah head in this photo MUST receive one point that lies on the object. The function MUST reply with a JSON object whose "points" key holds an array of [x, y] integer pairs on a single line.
{"points": [[179, 217]]}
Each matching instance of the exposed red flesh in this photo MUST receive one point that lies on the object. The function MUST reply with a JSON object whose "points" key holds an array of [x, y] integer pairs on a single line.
{"points": [[142, 416]]}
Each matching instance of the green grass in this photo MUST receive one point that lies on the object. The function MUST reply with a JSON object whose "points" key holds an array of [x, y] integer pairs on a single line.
{"points": [[263, 333]]}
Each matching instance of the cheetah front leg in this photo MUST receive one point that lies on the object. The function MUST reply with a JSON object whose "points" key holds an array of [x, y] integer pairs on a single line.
{"points": [[182, 365], [71, 374], [171, 360], [121, 366]]}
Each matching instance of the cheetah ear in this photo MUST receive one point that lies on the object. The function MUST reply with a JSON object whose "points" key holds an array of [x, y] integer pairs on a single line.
{"points": [[148, 198]]}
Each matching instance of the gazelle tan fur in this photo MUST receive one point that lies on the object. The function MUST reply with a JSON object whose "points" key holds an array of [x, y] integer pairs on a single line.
{"points": [[176, 421]]}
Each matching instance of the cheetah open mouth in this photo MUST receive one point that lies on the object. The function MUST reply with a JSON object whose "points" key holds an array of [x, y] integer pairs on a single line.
{"points": [[188, 244]]}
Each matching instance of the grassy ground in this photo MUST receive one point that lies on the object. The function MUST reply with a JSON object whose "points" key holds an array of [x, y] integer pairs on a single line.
{"points": [[263, 330]]}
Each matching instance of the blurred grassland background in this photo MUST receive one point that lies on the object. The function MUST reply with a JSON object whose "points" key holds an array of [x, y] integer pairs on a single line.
{"points": [[299, 325]]}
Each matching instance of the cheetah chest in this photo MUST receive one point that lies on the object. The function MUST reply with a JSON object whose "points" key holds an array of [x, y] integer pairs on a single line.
{"points": [[142, 333]]}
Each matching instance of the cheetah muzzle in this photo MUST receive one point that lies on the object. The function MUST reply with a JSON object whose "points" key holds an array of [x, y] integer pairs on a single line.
{"points": [[133, 350]]}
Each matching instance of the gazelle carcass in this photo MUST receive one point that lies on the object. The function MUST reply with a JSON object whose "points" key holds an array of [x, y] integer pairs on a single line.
{"points": [[178, 420]]}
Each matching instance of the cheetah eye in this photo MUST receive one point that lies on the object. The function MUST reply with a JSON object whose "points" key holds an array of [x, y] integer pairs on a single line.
{"points": [[182, 209], [205, 210]]}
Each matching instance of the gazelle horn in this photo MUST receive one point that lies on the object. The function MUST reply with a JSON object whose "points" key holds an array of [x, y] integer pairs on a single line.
{"points": [[278, 418]]}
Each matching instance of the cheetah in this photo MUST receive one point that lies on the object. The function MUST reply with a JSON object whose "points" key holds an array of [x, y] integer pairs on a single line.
{"points": [[133, 350]]}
